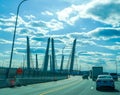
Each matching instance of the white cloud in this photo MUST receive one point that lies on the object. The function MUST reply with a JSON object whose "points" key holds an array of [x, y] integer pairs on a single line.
{"points": [[54, 25], [68, 15], [105, 61], [47, 13], [21, 21], [103, 11], [30, 17], [111, 65], [98, 54], [118, 43], [3, 41], [21, 41], [7, 21], [96, 9], [104, 33], [10, 22], [9, 29], [30, 27], [113, 47]]}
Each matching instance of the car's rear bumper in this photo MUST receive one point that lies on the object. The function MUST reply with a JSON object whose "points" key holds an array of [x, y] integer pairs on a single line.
{"points": [[105, 86]]}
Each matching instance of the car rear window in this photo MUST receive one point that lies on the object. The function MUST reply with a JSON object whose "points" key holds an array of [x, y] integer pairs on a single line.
{"points": [[104, 77]]}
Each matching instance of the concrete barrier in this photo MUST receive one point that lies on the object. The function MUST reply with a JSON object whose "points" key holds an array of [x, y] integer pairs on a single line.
{"points": [[11, 82], [28, 77], [3, 83]]}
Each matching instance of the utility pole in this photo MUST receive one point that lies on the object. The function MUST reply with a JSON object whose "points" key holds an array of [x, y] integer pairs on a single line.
{"points": [[116, 66], [18, 8]]}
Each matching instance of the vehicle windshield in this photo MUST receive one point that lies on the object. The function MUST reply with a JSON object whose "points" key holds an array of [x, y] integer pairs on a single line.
{"points": [[105, 76]]}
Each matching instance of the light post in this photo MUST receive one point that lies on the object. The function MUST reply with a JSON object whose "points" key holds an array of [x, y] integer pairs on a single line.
{"points": [[18, 8], [80, 69], [116, 66]]}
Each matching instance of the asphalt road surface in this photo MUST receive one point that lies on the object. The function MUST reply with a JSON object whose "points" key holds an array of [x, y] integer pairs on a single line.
{"points": [[75, 85]]}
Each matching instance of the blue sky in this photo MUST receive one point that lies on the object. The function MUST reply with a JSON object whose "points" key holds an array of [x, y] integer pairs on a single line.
{"points": [[94, 23]]}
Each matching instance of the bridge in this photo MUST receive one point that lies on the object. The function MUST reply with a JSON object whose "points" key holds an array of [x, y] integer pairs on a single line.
{"points": [[53, 81], [28, 75]]}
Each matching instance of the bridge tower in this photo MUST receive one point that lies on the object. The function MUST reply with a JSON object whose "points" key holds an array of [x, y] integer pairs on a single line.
{"points": [[46, 58], [53, 56], [61, 66], [72, 57], [36, 62], [28, 53]]}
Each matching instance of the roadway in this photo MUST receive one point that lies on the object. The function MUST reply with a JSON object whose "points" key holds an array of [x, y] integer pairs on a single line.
{"points": [[75, 85]]}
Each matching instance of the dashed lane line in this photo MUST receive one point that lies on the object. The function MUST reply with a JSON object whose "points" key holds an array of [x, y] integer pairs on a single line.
{"points": [[60, 88]]}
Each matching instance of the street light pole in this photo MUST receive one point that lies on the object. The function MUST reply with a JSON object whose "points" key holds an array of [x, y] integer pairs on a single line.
{"points": [[116, 66], [18, 8]]}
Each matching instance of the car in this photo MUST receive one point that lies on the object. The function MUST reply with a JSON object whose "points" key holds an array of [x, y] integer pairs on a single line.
{"points": [[115, 76], [85, 76], [105, 81]]}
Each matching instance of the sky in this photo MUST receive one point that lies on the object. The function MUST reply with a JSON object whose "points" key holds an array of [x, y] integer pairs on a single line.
{"points": [[95, 24]]}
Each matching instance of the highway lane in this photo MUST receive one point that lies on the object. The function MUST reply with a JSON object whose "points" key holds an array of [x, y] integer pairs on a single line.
{"points": [[72, 86], [35, 89], [85, 87]]}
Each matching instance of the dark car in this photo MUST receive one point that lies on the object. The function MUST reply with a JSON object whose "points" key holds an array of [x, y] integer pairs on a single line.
{"points": [[85, 76], [105, 81], [114, 76]]}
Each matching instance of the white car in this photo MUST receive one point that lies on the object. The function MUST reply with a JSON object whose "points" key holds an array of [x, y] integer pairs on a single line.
{"points": [[104, 81]]}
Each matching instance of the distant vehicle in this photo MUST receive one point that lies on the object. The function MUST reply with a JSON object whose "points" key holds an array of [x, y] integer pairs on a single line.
{"points": [[85, 76], [96, 71], [115, 76], [105, 81]]}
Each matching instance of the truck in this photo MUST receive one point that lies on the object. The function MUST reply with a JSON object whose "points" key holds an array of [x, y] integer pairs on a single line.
{"points": [[96, 71]]}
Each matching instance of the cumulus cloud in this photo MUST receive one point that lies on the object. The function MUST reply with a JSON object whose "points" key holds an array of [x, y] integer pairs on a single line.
{"points": [[118, 43], [3, 41], [97, 54], [47, 13], [27, 27], [21, 41], [54, 25], [105, 32], [42, 39], [46, 26], [113, 47], [68, 15], [33, 50], [98, 59], [30, 17], [106, 12], [37, 23], [101, 33]]}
